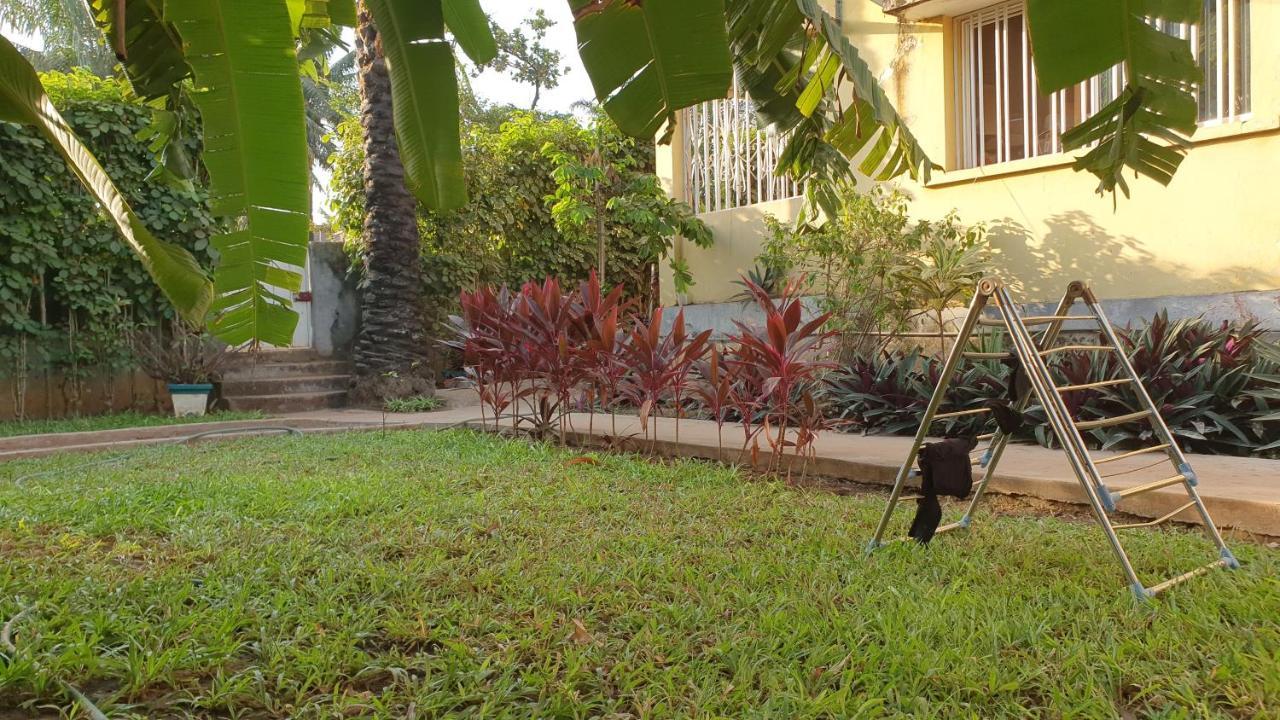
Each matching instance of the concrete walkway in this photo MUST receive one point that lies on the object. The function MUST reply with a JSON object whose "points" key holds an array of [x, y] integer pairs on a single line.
{"points": [[1241, 493]]}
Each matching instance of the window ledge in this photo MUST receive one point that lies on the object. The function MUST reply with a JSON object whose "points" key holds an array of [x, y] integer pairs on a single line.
{"points": [[1236, 129]]}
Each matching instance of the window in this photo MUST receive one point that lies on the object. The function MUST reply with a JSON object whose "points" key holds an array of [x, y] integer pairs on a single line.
{"points": [[1002, 117], [728, 158]]}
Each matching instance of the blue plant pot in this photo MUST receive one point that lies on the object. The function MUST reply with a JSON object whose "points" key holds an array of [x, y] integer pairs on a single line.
{"points": [[190, 388]]}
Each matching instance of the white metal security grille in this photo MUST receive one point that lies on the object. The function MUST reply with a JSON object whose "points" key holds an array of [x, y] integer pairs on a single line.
{"points": [[728, 158], [1002, 117]]}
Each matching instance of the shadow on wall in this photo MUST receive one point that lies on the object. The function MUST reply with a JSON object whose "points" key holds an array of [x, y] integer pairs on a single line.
{"points": [[1077, 248]]}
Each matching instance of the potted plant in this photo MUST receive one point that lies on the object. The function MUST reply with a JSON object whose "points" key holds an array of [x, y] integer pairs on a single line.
{"points": [[190, 361]]}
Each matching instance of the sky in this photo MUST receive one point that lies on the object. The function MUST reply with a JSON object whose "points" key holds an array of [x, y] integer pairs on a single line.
{"points": [[574, 86]]}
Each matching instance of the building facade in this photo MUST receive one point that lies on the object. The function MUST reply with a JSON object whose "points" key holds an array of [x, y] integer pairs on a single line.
{"points": [[959, 72]]}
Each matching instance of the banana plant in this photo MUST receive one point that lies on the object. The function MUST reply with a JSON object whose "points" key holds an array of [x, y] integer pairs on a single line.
{"points": [[176, 272], [1147, 128], [646, 61]]}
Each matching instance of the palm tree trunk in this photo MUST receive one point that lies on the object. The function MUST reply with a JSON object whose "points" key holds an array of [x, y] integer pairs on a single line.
{"points": [[391, 351]]}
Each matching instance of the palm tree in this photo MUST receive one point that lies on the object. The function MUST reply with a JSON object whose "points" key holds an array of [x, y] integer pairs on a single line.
{"points": [[71, 39], [391, 350]]}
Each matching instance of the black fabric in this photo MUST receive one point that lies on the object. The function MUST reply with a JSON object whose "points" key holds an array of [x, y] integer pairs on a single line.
{"points": [[945, 466], [945, 469], [1008, 419], [1018, 383], [928, 515]]}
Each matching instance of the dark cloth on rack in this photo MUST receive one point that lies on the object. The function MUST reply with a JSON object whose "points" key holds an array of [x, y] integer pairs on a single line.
{"points": [[945, 469], [928, 515], [1018, 383], [1008, 419]]}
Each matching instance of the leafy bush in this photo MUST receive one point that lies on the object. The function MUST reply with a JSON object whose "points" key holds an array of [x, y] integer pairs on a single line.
{"points": [[523, 222], [414, 404], [876, 270], [1215, 387], [535, 354], [69, 288]]}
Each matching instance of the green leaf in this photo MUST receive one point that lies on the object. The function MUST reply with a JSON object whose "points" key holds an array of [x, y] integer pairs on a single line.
{"points": [[250, 100], [648, 60], [424, 92], [175, 271], [319, 14], [1146, 128], [151, 49], [470, 27], [898, 151]]}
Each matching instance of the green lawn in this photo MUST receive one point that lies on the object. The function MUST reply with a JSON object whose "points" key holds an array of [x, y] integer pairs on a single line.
{"points": [[428, 575], [115, 421]]}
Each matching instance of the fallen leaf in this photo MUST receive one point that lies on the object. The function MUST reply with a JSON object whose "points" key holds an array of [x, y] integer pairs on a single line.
{"points": [[580, 634], [582, 460]]}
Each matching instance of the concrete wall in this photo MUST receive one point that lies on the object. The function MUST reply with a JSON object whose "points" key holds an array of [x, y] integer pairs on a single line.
{"points": [[1214, 230], [335, 305]]}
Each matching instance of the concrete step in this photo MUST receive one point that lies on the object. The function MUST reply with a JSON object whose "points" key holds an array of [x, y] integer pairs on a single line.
{"points": [[276, 370], [292, 402], [285, 385], [277, 355]]}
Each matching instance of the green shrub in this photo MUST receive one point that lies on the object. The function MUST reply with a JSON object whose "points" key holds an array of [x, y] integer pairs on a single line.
{"points": [[415, 404], [1215, 386], [876, 270], [507, 233], [69, 288]]}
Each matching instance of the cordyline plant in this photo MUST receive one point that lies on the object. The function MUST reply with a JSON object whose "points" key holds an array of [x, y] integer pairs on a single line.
{"points": [[659, 365], [601, 351], [777, 368], [551, 328], [487, 336], [713, 387]]}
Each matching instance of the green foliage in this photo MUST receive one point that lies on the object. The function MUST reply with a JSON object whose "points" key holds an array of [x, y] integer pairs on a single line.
{"points": [[80, 85], [24, 101], [69, 286], [1147, 128], [607, 192], [1216, 387], [414, 404], [508, 233], [258, 169], [874, 268], [648, 60]]}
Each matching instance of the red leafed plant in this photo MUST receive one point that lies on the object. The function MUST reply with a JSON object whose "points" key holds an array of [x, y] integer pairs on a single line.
{"points": [[551, 329], [601, 349], [714, 388], [776, 368], [659, 365], [487, 336]]}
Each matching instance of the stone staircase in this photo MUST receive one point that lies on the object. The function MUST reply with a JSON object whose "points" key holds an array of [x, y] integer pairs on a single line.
{"points": [[288, 380]]}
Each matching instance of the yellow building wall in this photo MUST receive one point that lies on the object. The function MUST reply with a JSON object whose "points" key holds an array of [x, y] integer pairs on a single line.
{"points": [[1215, 229]]}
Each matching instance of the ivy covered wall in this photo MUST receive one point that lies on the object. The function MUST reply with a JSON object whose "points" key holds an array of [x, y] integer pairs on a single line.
{"points": [[69, 288]]}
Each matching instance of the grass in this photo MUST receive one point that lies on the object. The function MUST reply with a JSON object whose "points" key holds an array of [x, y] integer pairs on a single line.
{"points": [[413, 574], [415, 404], [115, 421]]}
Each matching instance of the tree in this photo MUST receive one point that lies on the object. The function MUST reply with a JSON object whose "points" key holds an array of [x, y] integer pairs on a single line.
{"points": [[646, 61], [607, 188], [525, 57], [390, 352], [70, 38]]}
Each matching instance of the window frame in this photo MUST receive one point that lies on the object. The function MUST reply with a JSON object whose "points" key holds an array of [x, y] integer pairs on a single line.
{"points": [[1232, 96]]}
